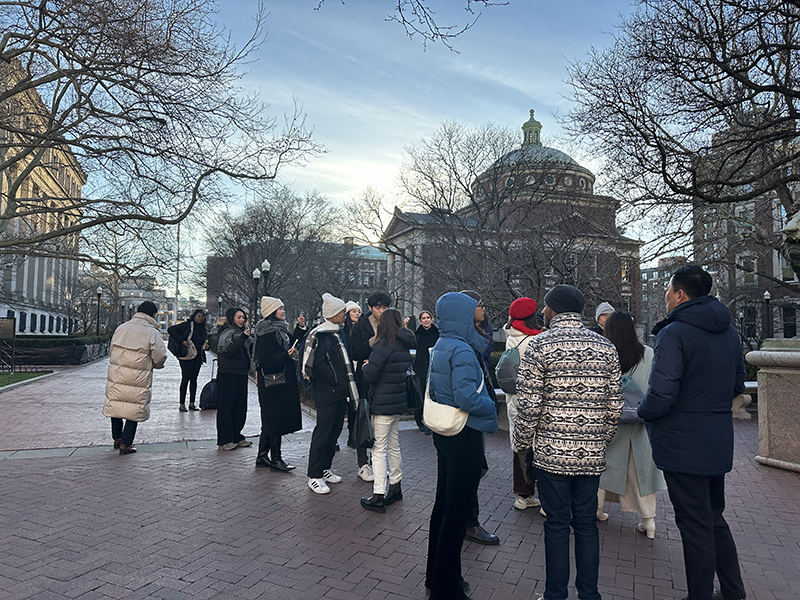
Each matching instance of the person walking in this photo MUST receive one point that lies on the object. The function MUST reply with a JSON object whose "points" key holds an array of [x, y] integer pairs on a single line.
{"points": [[233, 355], [631, 477], [136, 349], [385, 375], [276, 376], [569, 404], [697, 371], [192, 330], [427, 333], [456, 379], [326, 363]]}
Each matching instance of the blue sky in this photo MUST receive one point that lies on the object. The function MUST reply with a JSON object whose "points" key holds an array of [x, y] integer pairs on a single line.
{"points": [[369, 91]]}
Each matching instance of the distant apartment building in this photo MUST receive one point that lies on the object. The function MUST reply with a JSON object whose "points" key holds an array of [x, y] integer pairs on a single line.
{"points": [[654, 286]]}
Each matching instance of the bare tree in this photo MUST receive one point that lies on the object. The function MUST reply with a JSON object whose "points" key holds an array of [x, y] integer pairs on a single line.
{"points": [[142, 99]]}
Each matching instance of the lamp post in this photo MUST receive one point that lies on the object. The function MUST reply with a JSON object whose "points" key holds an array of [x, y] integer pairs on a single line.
{"points": [[256, 279], [219, 301], [99, 293], [265, 266], [769, 314]]}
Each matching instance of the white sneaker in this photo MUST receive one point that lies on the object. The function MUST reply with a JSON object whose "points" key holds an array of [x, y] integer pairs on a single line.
{"points": [[521, 503], [331, 477], [318, 486], [228, 446], [244, 443], [365, 472]]}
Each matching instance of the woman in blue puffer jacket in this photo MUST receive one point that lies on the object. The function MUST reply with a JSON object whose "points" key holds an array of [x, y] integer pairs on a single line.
{"points": [[456, 379]]}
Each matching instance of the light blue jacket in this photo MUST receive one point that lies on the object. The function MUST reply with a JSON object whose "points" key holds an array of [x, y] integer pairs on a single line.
{"points": [[456, 378]]}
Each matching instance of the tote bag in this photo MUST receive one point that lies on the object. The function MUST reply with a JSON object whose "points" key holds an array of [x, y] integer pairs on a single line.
{"points": [[191, 351], [441, 418]]}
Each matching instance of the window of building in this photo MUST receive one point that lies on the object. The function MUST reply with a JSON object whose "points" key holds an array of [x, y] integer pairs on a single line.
{"points": [[23, 321], [33, 322], [625, 272], [746, 273], [42, 323], [549, 180], [789, 315], [51, 325], [9, 314], [749, 321]]}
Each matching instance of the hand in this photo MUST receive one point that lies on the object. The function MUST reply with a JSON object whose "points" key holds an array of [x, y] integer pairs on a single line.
{"points": [[301, 320], [293, 352], [524, 460], [186, 343], [247, 332]]}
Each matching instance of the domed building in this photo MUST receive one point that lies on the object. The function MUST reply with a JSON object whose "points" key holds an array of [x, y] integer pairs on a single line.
{"points": [[529, 221]]}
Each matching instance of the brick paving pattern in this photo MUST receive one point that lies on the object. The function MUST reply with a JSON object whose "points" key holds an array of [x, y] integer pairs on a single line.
{"points": [[176, 523]]}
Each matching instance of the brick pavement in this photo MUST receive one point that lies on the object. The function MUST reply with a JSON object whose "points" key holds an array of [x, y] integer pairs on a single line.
{"points": [[199, 523]]}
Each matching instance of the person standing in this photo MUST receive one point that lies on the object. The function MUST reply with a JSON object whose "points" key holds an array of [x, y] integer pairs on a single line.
{"points": [[569, 404], [353, 312], [136, 349], [427, 333], [456, 379], [233, 355], [601, 313], [327, 364], [276, 376], [697, 371], [192, 330]]}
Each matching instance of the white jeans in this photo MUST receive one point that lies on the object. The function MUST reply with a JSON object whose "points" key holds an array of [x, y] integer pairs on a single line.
{"points": [[387, 443]]}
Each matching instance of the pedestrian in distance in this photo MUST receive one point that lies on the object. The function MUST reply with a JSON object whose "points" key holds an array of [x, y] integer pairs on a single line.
{"points": [[601, 313], [192, 330], [136, 349], [427, 333], [697, 371], [353, 312], [385, 374], [569, 404], [276, 377], [233, 355]]}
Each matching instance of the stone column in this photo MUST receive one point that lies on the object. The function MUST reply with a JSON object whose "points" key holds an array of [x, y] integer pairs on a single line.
{"points": [[778, 361]]}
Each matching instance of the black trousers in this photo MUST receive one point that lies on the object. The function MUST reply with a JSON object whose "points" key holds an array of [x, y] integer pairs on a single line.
{"points": [[232, 407], [708, 545], [330, 420], [460, 460], [190, 369], [124, 433]]}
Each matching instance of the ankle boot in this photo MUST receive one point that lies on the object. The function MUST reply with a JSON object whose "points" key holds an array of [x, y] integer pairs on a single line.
{"points": [[124, 449], [278, 464], [394, 494], [262, 461], [375, 504], [648, 527]]}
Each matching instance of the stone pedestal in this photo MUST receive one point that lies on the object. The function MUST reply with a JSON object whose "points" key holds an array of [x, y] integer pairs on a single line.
{"points": [[778, 402]]}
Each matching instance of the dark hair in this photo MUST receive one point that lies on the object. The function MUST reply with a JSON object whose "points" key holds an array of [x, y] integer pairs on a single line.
{"points": [[197, 311], [379, 299], [693, 280], [147, 307], [231, 313], [391, 321], [620, 331], [535, 321]]}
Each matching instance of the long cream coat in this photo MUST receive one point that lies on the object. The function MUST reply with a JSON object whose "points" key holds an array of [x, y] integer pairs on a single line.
{"points": [[518, 339], [136, 349]]}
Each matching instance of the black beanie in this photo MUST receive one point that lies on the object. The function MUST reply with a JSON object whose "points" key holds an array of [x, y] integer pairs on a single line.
{"points": [[148, 308], [564, 299]]}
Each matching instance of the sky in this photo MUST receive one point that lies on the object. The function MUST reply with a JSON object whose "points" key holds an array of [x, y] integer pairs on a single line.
{"points": [[369, 91]]}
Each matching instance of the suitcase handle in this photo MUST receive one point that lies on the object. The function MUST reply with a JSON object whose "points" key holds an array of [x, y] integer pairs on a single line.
{"points": [[213, 363]]}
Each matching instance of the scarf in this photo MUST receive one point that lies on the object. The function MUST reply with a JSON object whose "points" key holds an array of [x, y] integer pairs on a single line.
{"points": [[312, 340]]}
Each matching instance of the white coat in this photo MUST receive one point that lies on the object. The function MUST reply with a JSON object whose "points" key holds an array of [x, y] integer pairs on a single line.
{"points": [[518, 339], [136, 349]]}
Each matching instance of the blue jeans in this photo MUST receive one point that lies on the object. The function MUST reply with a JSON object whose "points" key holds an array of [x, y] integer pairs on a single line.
{"points": [[570, 500]]}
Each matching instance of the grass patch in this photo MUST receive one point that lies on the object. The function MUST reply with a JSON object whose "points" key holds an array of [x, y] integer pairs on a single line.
{"points": [[9, 378]]}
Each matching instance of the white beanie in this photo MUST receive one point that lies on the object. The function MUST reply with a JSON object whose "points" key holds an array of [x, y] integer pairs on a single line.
{"points": [[269, 305], [351, 306], [603, 309], [331, 306]]}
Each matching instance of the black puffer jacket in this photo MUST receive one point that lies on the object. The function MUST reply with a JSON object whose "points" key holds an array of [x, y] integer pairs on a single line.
{"points": [[386, 374]]}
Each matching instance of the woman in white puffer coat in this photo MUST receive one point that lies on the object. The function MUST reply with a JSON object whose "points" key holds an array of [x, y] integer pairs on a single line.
{"points": [[136, 349]]}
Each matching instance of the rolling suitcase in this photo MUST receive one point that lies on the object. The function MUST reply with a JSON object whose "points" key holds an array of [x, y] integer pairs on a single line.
{"points": [[208, 395]]}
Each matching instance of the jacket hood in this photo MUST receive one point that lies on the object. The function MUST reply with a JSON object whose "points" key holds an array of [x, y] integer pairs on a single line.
{"points": [[455, 313], [706, 313]]}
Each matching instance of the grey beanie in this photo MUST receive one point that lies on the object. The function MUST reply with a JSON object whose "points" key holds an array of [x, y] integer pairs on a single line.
{"points": [[564, 299], [604, 308]]}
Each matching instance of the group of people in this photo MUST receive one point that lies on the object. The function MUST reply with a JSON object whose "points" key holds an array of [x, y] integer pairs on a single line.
{"points": [[566, 437]]}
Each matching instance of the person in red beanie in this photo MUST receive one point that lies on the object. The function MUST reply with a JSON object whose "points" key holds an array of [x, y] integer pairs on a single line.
{"points": [[523, 324]]}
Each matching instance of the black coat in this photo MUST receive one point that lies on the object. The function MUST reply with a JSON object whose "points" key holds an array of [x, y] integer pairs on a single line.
{"points": [[236, 360], [385, 373], [359, 348], [330, 372], [426, 338], [180, 333], [280, 404]]}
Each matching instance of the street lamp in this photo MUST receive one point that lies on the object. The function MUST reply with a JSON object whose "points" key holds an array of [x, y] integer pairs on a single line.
{"points": [[99, 293], [256, 278], [219, 300], [769, 314], [265, 266]]}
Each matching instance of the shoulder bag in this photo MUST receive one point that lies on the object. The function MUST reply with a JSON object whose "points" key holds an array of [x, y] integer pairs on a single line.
{"points": [[191, 351], [633, 395], [441, 418]]}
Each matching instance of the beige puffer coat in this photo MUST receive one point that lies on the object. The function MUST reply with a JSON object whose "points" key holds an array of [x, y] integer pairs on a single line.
{"points": [[136, 349]]}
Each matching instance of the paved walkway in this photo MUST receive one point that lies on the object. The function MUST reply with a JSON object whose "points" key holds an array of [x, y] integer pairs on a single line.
{"points": [[182, 520]]}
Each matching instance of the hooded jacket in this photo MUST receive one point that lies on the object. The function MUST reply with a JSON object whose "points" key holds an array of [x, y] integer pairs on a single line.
{"points": [[455, 372], [385, 373], [697, 370], [136, 349]]}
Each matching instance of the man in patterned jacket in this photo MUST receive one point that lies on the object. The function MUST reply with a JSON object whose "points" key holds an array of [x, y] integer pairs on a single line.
{"points": [[569, 405]]}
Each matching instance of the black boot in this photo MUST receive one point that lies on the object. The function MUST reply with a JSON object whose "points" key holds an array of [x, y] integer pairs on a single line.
{"points": [[375, 504], [278, 464], [262, 460], [394, 494]]}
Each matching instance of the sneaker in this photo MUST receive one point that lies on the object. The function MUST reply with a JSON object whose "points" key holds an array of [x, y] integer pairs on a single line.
{"points": [[541, 512], [521, 503], [318, 486], [228, 446], [331, 477], [365, 472], [244, 443]]}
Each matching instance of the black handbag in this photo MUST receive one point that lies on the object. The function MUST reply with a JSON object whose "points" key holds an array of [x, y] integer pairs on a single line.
{"points": [[175, 347], [362, 434], [270, 379], [413, 390]]}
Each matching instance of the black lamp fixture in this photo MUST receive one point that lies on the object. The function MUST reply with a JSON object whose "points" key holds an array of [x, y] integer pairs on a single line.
{"points": [[97, 325], [769, 314]]}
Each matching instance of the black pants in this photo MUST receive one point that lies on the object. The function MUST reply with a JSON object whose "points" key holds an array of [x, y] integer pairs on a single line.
{"points": [[330, 420], [124, 433], [232, 408], [708, 545], [460, 460], [190, 369]]}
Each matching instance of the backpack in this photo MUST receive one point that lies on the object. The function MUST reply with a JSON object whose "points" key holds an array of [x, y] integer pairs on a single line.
{"points": [[633, 395], [507, 369]]}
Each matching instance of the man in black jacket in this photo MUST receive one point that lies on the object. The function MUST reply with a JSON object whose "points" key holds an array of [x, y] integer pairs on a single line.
{"points": [[697, 371]]}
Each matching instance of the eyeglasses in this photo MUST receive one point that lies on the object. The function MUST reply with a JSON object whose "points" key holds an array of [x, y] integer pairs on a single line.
{"points": [[481, 305]]}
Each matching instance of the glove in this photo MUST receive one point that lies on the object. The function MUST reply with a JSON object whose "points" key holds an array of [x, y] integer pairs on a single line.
{"points": [[524, 459]]}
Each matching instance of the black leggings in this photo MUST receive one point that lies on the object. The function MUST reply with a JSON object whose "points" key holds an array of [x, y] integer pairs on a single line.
{"points": [[190, 369]]}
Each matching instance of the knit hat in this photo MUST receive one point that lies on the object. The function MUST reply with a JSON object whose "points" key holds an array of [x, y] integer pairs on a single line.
{"points": [[269, 305], [351, 306], [565, 298], [603, 309], [331, 305], [522, 308], [147, 307]]}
